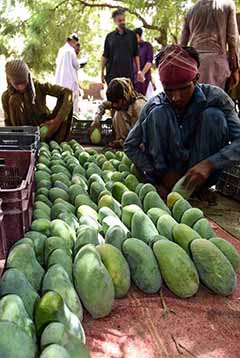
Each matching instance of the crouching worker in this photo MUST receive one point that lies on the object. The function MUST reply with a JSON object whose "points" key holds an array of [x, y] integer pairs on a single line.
{"points": [[24, 103], [190, 129], [126, 104]]}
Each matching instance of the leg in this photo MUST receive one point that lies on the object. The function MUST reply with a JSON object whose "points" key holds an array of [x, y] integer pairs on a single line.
{"points": [[212, 136], [120, 125]]}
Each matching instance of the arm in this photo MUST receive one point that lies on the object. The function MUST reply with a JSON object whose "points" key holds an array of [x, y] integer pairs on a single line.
{"points": [[74, 60], [147, 68], [132, 146], [137, 63], [148, 64], [101, 110], [60, 93], [228, 155], [5, 101], [185, 33], [103, 65], [105, 58]]}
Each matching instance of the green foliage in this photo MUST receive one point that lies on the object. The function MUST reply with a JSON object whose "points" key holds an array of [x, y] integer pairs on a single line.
{"points": [[46, 23]]}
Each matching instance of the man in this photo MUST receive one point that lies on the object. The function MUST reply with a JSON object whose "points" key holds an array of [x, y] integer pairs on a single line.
{"points": [[127, 104], [185, 130], [67, 68], [211, 28], [78, 48], [145, 51], [120, 51], [24, 102]]}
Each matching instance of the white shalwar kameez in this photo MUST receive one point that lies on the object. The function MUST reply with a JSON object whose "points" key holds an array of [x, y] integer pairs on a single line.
{"points": [[67, 72]]}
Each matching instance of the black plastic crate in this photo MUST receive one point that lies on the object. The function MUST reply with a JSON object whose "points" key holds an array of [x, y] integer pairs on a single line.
{"points": [[80, 131], [20, 138], [229, 182]]}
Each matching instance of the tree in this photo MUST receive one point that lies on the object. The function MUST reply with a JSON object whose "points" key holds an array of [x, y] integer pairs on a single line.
{"points": [[48, 22]]}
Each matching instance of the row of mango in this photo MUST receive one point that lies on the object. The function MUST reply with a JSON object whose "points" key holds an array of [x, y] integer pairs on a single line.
{"points": [[95, 228]]}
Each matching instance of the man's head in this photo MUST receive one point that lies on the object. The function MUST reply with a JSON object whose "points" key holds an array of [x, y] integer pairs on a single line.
{"points": [[121, 93], [119, 19], [18, 75], [139, 33], [178, 70], [78, 48], [73, 40]]}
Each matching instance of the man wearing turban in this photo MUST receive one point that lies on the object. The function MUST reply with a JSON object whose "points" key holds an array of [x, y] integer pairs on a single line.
{"points": [[126, 104], [190, 129], [24, 102]]}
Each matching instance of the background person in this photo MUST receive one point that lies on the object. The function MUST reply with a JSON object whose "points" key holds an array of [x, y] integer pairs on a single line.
{"points": [[127, 104], [186, 129], [120, 51], [211, 28], [67, 67], [24, 102], [145, 51]]}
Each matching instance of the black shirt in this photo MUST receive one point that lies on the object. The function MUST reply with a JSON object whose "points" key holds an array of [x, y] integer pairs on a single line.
{"points": [[120, 49]]}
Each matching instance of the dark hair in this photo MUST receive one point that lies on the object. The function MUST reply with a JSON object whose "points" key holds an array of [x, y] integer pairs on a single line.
{"points": [[118, 12], [73, 37], [114, 92], [138, 31], [190, 50]]}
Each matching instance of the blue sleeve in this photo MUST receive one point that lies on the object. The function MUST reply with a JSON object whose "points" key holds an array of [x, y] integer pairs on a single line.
{"points": [[228, 155], [132, 146]]}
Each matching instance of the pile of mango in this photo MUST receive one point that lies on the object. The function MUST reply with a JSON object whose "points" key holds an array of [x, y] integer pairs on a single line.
{"points": [[95, 229]]}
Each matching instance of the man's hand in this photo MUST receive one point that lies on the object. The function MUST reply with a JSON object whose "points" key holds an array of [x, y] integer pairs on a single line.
{"points": [[52, 125], [170, 179], [94, 124], [198, 174], [140, 77], [234, 79]]}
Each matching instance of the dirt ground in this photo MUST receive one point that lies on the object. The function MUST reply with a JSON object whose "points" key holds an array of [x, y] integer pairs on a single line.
{"points": [[226, 214]]}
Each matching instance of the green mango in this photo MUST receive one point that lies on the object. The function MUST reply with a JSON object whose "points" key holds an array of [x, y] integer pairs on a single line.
{"points": [[56, 279], [38, 241], [23, 258], [63, 258], [51, 308], [56, 242], [86, 235], [12, 309], [14, 281], [93, 282], [57, 333], [61, 229], [55, 350], [15, 343]]}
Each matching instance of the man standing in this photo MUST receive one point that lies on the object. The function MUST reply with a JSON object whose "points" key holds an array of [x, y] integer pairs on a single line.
{"points": [[188, 130], [67, 68], [211, 28], [120, 51], [146, 58]]}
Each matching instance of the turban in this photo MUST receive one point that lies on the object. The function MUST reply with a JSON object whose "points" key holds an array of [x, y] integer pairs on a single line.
{"points": [[121, 88], [18, 72], [177, 67]]}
